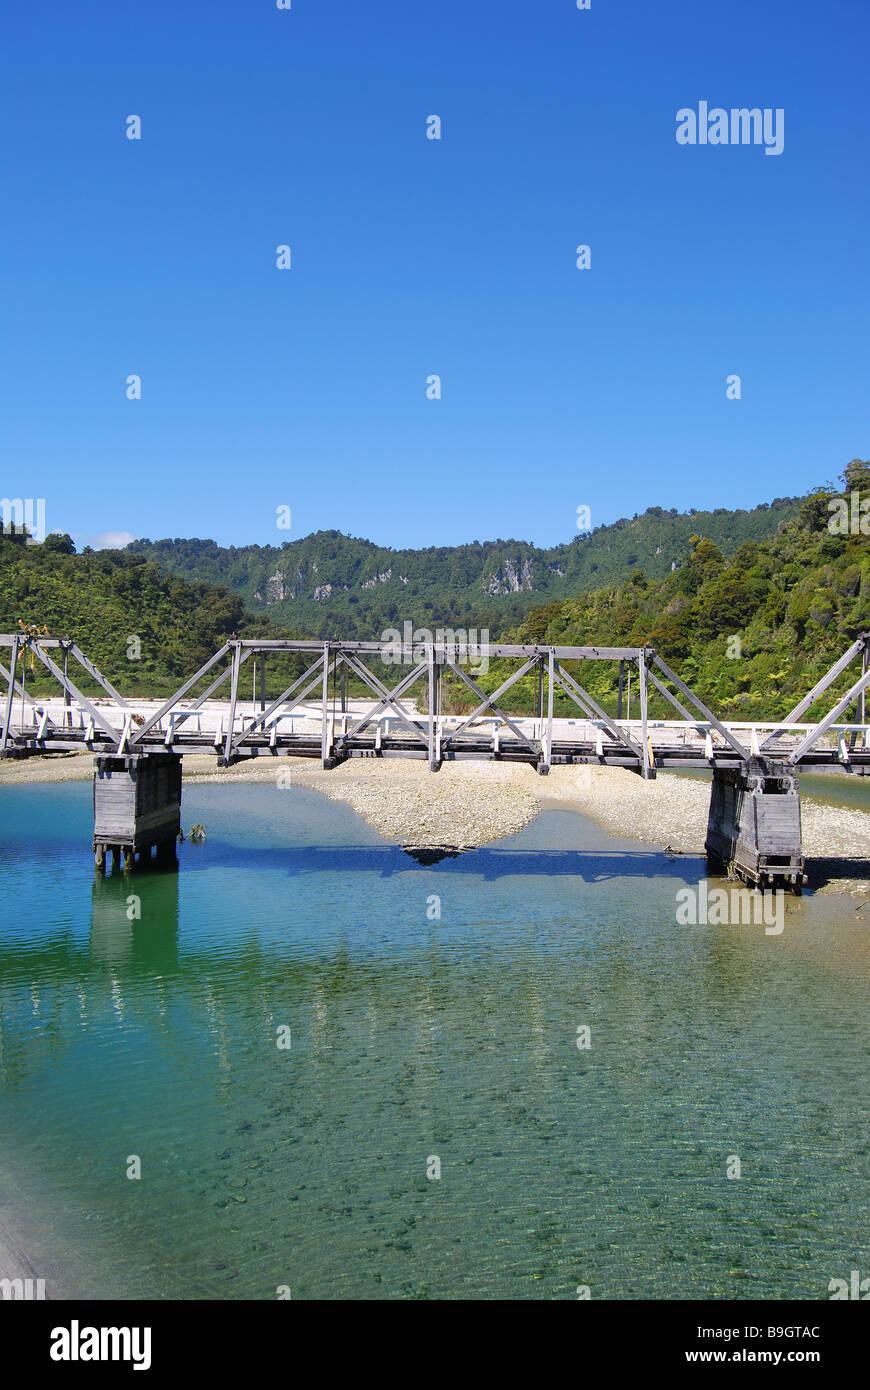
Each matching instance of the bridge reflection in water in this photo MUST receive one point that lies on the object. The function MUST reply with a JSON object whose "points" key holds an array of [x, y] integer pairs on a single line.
{"points": [[135, 923]]}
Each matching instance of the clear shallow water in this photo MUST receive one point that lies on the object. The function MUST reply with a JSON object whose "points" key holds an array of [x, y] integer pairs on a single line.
{"points": [[412, 1038], [837, 789]]}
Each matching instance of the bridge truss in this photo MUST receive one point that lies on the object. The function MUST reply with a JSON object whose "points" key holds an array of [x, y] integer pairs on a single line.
{"points": [[189, 720]]}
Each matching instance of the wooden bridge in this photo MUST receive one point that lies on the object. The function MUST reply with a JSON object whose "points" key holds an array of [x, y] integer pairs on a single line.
{"points": [[754, 825]]}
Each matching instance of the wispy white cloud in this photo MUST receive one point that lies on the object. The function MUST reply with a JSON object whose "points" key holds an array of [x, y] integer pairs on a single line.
{"points": [[110, 540]]}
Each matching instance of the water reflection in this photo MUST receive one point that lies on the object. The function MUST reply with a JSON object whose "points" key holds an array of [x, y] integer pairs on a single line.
{"points": [[134, 921], [591, 866]]}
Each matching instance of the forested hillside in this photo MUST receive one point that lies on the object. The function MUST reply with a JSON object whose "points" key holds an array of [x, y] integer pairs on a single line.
{"points": [[329, 584], [103, 598], [750, 633]]}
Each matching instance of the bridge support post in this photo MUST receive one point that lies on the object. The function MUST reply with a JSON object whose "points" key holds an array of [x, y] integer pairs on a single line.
{"points": [[326, 730], [434, 708], [137, 804], [546, 741], [754, 825]]}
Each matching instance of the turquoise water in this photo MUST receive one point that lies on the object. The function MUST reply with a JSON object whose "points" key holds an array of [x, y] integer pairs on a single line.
{"points": [[414, 1038], [836, 789]]}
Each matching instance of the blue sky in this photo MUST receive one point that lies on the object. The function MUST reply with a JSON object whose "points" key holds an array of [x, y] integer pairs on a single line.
{"points": [[307, 388]]}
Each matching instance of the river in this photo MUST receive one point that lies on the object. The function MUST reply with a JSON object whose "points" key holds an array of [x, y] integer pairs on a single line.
{"points": [[140, 1019]]}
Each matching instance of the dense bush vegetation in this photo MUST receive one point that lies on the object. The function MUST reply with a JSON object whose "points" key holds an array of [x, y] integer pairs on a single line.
{"points": [[789, 605], [102, 598]]}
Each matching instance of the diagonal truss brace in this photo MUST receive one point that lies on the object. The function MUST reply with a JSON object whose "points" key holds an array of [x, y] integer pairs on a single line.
{"points": [[862, 644], [179, 694], [678, 706], [67, 684], [592, 710], [699, 705], [842, 705], [388, 697], [313, 675], [489, 701], [33, 644], [92, 671], [19, 688], [215, 685]]}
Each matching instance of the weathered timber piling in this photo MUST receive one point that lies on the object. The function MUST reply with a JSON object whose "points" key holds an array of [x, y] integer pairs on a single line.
{"points": [[137, 806], [754, 825]]}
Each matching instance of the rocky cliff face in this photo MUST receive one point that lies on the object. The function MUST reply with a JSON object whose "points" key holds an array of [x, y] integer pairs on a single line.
{"points": [[377, 579], [513, 577], [276, 589], [279, 587]]}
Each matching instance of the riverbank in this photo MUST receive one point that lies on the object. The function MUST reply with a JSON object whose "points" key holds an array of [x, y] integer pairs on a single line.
{"points": [[470, 804]]}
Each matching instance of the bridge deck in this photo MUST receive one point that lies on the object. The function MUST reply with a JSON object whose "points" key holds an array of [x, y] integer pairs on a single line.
{"points": [[666, 755]]}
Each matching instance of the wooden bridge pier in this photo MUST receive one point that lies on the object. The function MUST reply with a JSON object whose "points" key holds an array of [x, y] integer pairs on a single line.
{"points": [[754, 825], [137, 807]]}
